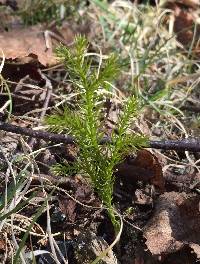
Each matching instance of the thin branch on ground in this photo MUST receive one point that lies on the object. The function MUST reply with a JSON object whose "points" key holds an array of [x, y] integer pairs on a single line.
{"points": [[188, 144], [58, 138], [195, 109]]}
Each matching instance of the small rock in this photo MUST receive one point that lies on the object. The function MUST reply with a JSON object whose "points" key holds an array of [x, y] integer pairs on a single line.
{"points": [[88, 247]]}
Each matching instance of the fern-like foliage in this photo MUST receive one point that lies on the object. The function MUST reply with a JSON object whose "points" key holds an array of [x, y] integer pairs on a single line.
{"points": [[95, 160]]}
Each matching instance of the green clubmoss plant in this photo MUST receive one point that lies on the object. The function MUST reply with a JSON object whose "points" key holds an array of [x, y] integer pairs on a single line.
{"points": [[95, 160]]}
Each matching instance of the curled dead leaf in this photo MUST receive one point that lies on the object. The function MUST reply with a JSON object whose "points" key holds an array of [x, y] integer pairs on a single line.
{"points": [[26, 42], [68, 208], [2, 245], [189, 3], [33, 42], [186, 22], [145, 159], [145, 167], [175, 224]]}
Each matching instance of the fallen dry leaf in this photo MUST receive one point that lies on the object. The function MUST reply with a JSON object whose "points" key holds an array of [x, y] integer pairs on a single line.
{"points": [[145, 159], [2, 245], [68, 207], [33, 42], [83, 193], [184, 27], [185, 20], [189, 3], [145, 167], [175, 224], [26, 42]]}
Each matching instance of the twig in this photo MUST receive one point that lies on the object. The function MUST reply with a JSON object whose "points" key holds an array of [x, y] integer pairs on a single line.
{"points": [[188, 144], [195, 109], [58, 138]]}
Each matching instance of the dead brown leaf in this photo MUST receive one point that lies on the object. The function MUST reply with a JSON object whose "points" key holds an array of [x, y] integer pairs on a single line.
{"points": [[68, 207], [185, 20], [145, 159], [175, 224], [26, 42], [33, 42], [145, 167], [189, 3], [2, 245], [83, 193]]}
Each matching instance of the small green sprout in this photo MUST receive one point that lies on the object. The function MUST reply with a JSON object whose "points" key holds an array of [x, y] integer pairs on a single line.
{"points": [[95, 160]]}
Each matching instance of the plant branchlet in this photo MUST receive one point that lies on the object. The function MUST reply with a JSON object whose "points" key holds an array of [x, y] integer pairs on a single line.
{"points": [[84, 124]]}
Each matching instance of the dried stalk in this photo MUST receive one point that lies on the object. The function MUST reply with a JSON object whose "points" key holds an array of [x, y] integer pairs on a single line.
{"points": [[188, 144]]}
